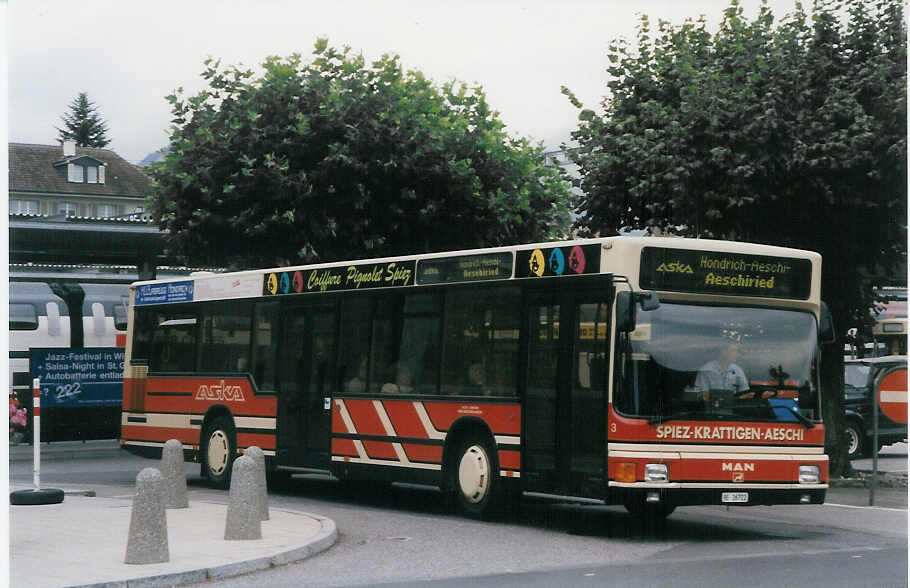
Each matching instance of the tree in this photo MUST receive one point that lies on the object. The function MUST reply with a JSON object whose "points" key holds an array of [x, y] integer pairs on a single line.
{"points": [[337, 158], [791, 135], [83, 124]]}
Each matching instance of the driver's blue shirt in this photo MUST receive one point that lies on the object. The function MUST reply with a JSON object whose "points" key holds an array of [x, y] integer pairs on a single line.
{"points": [[712, 377]]}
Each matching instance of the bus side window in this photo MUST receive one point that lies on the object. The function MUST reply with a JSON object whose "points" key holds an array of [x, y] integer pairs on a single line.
{"points": [[265, 344]]}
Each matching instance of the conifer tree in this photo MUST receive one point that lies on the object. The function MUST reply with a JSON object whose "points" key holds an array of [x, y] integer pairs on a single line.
{"points": [[83, 124]]}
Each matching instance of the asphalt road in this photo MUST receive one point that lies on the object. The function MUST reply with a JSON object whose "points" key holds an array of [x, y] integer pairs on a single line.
{"points": [[402, 535]]}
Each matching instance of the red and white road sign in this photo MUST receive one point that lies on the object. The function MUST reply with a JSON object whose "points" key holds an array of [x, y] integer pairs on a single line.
{"points": [[892, 395]]}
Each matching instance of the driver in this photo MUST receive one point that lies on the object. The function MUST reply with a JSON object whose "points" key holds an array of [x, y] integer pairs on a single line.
{"points": [[722, 373]]}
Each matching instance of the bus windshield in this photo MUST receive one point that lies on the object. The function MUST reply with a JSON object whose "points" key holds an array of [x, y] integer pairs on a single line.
{"points": [[698, 362]]}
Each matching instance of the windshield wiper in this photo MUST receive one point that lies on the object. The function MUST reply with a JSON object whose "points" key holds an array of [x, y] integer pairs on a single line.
{"points": [[801, 418], [662, 418]]}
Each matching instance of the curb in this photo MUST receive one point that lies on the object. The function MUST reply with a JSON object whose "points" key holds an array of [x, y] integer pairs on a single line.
{"points": [[65, 450], [325, 538]]}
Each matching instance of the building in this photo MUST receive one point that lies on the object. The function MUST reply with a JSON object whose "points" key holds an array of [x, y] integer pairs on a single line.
{"points": [[70, 181]]}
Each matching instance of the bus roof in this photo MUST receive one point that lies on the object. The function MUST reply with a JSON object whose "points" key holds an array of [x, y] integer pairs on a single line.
{"points": [[621, 256]]}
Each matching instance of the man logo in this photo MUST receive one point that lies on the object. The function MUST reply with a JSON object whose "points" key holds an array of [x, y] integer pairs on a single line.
{"points": [[675, 267], [728, 466], [220, 391]]}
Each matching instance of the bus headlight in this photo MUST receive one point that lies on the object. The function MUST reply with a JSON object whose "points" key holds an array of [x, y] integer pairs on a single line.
{"points": [[809, 474], [656, 472]]}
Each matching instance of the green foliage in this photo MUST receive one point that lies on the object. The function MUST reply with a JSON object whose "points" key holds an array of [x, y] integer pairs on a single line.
{"points": [[83, 124], [337, 158], [794, 135]]}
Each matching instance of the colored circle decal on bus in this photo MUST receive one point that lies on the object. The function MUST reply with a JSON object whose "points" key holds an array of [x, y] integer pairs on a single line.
{"points": [[892, 395], [536, 263], [557, 261], [577, 260], [273, 284], [285, 283], [298, 282]]}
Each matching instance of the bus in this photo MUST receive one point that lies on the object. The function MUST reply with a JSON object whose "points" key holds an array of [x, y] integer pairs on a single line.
{"points": [[560, 369], [889, 333]]}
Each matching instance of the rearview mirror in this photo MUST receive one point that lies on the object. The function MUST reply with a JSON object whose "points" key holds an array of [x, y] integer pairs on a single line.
{"points": [[649, 300]]}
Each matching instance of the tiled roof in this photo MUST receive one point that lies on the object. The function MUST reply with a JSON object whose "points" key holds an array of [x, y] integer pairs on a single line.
{"points": [[31, 169]]}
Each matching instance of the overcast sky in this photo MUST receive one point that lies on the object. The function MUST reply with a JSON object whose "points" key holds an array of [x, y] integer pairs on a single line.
{"points": [[128, 55]]}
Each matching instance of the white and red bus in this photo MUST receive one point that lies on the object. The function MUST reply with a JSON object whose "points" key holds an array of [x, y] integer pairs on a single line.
{"points": [[569, 369]]}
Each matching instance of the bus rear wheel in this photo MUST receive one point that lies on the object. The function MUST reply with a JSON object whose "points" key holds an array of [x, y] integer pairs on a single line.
{"points": [[474, 474], [219, 449]]}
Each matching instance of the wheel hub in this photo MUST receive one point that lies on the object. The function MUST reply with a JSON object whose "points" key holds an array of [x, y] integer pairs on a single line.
{"points": [[218, 451], [474, 474]]}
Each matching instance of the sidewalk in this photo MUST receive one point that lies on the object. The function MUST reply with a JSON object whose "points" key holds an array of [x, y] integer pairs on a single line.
{"points": [[82, 542]]}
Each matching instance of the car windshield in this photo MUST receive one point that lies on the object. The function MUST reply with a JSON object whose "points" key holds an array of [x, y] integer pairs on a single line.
{"points": [[709, 362]]}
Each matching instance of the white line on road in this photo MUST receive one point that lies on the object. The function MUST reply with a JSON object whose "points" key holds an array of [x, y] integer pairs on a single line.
{"points": [[873, 507]]}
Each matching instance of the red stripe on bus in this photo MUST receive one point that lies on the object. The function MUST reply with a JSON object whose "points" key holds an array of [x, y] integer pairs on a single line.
{"points": [[380, 450], [366, 420], [503, 419], [159, 434], [423, 453], [713, 432], [259, 440], [343, 447], [509, 460], [404, 419], [725, 470]]}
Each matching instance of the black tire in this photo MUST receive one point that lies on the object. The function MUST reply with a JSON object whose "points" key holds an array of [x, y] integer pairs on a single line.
{"points": [[474, 477], [34, 497], [854, 440], [218, 447]]}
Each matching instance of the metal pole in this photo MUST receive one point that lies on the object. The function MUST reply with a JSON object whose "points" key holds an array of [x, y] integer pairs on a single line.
{"points": [[874, 445], [36, 432]]}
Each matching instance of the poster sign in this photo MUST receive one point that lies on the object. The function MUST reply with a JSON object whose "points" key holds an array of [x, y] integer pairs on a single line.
{"points": [[557, 261], [332, 279], [465, 268], [892, 395], [164, 293], [731, 274], [91, 376]]}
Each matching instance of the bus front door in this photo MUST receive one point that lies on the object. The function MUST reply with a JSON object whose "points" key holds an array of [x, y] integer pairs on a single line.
{"points": [[564, 422], [304, 418]]}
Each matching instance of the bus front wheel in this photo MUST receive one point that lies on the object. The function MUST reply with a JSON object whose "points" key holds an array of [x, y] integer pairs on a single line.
{"points": [[219, 448], [475, 477]]}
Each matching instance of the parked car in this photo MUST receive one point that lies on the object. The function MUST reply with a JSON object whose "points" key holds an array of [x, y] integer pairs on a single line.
{"points": [[860, 377]]}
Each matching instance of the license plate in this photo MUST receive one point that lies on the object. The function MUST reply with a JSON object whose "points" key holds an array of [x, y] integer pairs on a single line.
{"points": [[734, 497]]}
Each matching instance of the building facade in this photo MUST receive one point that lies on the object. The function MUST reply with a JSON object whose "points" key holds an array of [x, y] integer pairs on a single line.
{"points": [[70, 181]]}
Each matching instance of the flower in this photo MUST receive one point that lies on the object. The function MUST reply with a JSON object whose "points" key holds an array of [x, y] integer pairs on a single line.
{"points": [[17, 416]]}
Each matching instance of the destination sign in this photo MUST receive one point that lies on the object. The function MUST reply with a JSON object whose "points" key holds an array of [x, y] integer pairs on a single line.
{"points": [[465, 268], [732, 274], [332, 279], [164, 293], [558, 261]]}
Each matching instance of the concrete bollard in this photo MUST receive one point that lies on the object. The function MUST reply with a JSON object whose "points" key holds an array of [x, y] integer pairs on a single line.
{"points": [[174, 475], [262, 491], [243, 510], [147, 542]]}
